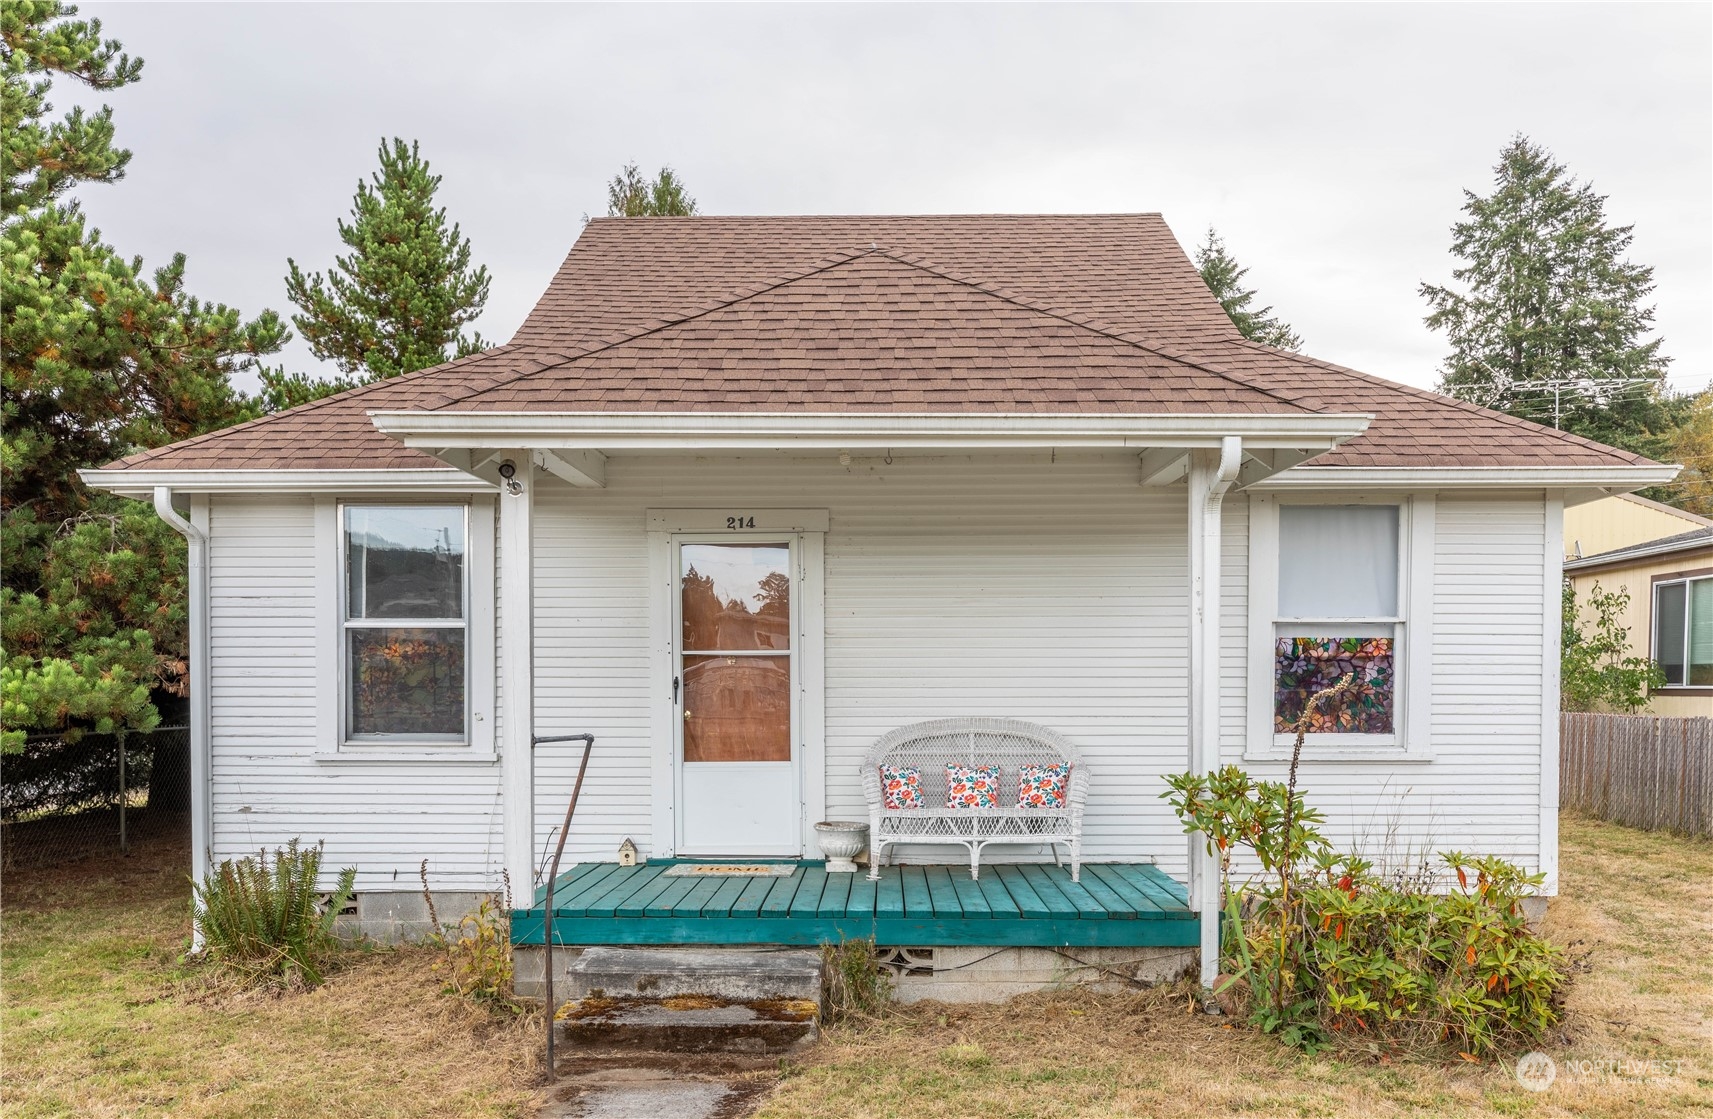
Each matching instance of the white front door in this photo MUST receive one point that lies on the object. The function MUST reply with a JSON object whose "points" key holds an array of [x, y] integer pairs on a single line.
{"points": [[737, 685]]}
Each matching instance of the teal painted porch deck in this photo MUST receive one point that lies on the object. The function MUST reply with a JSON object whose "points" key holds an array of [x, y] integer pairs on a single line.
{"points": [[1012, 904]]}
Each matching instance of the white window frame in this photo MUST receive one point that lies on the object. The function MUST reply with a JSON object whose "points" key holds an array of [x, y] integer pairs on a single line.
{"points": [[1412, 650], [476, 744], [1686, 581]]}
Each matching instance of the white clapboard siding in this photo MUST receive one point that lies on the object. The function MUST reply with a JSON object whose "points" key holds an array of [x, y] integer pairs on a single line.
{"points": [[1481, 791], [1044, 587], [268, 786], [1048, 588]]}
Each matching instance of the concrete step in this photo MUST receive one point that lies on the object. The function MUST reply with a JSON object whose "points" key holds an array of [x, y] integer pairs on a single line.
{"points": [[690, 1024], [726, 974]]}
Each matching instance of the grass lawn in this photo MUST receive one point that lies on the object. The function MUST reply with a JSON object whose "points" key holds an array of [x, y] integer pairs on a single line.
{"points": [[98, 1018]]}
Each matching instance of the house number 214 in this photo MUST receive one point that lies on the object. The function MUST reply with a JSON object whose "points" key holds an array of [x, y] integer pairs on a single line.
{"points": [[740, 522]]}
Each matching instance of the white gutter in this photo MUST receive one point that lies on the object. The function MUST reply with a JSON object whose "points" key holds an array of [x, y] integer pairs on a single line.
{"points": [[1468, 477], [686, 431], [141, 483], [201, 753], [1681, 542]]}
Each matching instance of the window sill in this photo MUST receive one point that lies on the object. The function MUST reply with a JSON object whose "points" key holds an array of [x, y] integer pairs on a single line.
{"points": [[1323, 752], [408, 755]]}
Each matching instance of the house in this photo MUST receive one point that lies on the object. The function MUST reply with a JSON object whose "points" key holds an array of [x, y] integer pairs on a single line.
{"points": [[1669, 612], [917, 467], [1620, 521]]}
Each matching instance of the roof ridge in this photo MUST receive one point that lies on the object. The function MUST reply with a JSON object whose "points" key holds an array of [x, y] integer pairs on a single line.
{"points": [[654, 326], [1090, 324], [1441, 399], [137, 457]]}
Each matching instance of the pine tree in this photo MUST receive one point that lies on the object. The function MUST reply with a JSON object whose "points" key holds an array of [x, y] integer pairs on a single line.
{"points": [[1550, 323], [96, 360], [402, 297], [1224, 277], [630, 195]]}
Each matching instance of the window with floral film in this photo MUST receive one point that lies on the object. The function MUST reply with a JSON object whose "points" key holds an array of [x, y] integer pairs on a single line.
{"points": [[1338, 615], [405, 622]]}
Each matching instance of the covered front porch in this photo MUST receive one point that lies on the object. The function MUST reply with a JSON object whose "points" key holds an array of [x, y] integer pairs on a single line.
{"points": [[1116, 905]]}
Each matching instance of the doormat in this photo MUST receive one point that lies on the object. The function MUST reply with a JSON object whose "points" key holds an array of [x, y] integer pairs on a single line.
{"points": [[754, 870]]}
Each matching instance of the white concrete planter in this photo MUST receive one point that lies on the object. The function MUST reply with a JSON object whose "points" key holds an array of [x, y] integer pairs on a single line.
{"points": [[841, 842]]}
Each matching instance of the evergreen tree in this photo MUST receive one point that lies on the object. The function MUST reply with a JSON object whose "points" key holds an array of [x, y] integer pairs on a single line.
{"points": [[401, 299], [1224, 277], [630, 195], [96, 360], [1550, 323]]}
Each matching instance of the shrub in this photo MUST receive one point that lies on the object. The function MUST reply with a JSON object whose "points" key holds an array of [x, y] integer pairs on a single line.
{"points": [[1328, 948], [853, 986], [477, 952], [269, 921]]}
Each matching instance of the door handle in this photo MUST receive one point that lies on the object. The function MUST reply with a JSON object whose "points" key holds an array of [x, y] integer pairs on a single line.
{"points": [[675, 690]]}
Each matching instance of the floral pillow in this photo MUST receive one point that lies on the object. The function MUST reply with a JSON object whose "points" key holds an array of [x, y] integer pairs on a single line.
{"points": [[1042, 786], [972, 786], [901, 786]]}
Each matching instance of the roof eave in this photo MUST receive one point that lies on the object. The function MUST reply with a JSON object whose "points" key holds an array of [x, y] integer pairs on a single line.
{"points": [[692, 431], [1578, 484], [141, 482]]}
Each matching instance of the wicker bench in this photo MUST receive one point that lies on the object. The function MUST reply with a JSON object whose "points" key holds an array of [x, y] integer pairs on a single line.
{"points": [[1007, 743]]}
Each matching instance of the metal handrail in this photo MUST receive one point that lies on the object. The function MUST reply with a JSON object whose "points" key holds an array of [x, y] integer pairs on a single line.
{"points": [[588, 741]]}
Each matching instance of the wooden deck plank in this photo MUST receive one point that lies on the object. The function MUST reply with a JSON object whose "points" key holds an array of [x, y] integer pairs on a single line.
{"points": [[889, 893], [690, 905], [779, 898], [755, 891], [637, 904], [574, 880], [1050, 879], [591, 890], [918, 902], [1029, 903], [527, 929], [601, 896], [835, 895], [1117, 908], [862, 897], [808, 899], [667, 899], [1000, 904], [970, 897], [727, 895], [1145, 905], [1144, 879], [942, 893]]}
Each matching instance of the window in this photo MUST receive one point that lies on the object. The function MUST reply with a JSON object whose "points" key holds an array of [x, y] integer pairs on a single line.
{"points": [[404, 624], [1683, 632], [1337, 614]]}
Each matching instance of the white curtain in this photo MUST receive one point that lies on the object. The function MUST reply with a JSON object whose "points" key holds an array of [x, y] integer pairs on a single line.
{"points": [[1339, 561]]}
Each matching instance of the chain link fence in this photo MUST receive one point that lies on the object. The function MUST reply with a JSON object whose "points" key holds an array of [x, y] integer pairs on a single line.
{"points": [[63, 800]]}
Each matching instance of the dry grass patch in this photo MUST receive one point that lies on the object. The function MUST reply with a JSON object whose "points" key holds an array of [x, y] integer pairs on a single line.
{"points": [[101, 1018], [1636, 909]]}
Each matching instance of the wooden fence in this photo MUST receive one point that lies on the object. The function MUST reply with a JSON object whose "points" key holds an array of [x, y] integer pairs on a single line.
{"points": [[1640, 770]]}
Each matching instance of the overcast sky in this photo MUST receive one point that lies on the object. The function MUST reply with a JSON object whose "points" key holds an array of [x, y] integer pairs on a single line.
{"points": [[1329, 144]]}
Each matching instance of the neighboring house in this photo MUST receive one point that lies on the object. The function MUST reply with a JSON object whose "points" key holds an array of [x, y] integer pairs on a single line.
{"points": [[1618, 522], [1670, 612], [916, 467]]}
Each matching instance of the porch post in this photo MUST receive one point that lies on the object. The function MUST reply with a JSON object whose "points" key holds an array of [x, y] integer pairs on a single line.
{"points": [[1211, 474], [517, 663]]}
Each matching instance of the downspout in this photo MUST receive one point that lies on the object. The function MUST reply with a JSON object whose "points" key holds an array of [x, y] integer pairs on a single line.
{"points": [[1210, 481], [201, 755]]}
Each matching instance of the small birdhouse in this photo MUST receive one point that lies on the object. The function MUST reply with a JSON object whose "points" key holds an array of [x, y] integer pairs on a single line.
{"points": [[627, 853]]}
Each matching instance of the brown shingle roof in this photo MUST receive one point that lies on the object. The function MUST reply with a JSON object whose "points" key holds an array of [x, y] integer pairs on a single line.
{"points": [[1065, 314]]}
